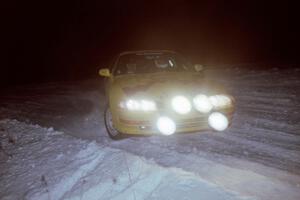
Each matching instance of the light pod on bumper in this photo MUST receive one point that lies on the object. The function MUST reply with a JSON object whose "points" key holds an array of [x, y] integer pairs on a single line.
{"points": [[218, 121], [166, 125]]}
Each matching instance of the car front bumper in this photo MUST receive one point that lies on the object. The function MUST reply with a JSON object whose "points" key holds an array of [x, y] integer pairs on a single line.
{"points": [[148, 126]]}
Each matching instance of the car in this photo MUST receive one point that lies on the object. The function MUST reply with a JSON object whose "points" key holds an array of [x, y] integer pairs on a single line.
{"points": [[159, 92]]}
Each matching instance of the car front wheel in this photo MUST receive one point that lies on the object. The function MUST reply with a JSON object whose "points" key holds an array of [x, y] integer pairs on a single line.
{"points": [[112, 132]]}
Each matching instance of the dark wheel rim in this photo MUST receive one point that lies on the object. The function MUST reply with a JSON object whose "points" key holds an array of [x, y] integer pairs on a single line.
{"points": [[109, 124]]}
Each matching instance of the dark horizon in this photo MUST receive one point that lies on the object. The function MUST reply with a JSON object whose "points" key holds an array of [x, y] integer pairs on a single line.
{"points": [[48, 41]]}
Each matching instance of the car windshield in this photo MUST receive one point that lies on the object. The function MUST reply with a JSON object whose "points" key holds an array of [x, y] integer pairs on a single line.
{"points": [[151, 63]]}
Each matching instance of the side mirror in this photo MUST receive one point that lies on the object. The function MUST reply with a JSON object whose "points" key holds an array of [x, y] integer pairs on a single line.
{"points": [[198, 67], [104, 72]]}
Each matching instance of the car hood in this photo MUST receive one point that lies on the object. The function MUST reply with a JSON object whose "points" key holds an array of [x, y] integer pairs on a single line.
{"points": [[164, 84]]}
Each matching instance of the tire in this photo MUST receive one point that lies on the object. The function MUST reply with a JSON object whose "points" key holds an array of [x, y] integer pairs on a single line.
{"points": [[112, 132]]}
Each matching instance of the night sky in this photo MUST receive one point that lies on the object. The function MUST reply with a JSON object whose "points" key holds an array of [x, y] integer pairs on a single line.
{"points": [[51, 41]]}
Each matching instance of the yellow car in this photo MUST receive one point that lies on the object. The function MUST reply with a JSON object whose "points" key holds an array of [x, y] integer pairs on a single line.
{"points": [[159, 92]]}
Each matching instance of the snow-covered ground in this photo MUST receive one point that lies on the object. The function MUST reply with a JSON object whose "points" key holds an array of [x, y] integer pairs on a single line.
{"points": [[45, 164], [258, 157]]}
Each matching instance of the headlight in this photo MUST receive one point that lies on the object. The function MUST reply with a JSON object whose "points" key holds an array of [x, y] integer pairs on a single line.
{"points": [[139, 105], [202, 103], [220, 101], [147, 105], [133, 105], [181, 105]]}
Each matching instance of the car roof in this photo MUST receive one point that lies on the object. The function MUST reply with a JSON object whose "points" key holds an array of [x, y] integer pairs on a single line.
{"points": [[146, 52]]}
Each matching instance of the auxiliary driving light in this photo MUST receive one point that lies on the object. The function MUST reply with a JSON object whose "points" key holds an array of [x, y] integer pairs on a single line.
{"points": [[166, 125], [219, 101], [202, 103], [218, 121]]}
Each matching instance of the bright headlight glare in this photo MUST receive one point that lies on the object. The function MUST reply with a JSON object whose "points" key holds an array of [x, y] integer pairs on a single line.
{"points": [[202, 103], [133, 105], [147, 105], [218, 121], [181, 105], [166, 125], [220, 100], [143, 105]]}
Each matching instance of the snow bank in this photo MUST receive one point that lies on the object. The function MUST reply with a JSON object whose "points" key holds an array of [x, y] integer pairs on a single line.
{"points": [[40, 163]]}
